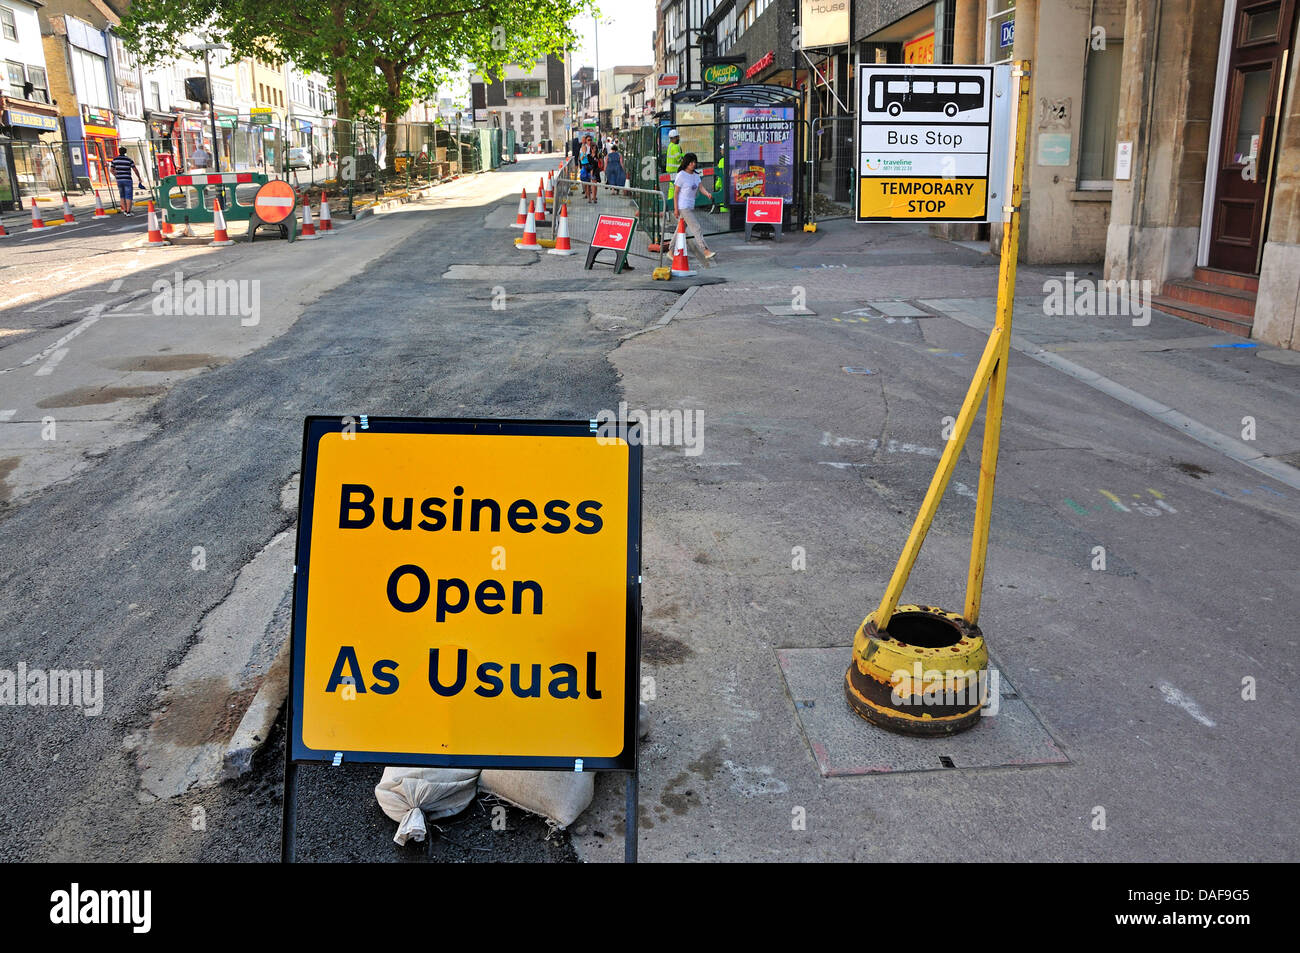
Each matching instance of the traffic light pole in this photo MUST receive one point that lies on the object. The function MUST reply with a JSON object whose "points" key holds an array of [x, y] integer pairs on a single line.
{"points": [[212, 112]]}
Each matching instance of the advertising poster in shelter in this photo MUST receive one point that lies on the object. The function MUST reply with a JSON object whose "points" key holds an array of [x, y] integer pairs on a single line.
{"points": [[760, 152]]}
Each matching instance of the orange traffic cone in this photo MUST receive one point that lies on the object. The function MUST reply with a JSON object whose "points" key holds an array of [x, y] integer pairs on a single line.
{"points": [[220, 237], [37, 221], [167, 227], [99, 206], [68, 217], [308, 232], [4, 233], [523, 210], [155, 236], [539, 206], [529, 240], [550, 186], [326, 226], [562, 244], [681, 261]]}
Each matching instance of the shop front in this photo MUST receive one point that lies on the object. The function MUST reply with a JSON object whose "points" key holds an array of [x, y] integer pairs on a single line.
{"points": [[29, 162], [92, 146]]}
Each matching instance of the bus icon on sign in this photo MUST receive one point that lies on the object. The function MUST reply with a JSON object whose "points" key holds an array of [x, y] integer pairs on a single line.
{"points": [[934, 93]]}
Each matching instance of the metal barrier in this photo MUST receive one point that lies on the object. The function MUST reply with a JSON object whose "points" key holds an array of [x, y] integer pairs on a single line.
{"points": [[189, 197], [647, 206], [830, 175], [349, 160]]}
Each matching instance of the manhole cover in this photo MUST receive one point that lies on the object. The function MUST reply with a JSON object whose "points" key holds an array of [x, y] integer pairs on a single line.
{"points": [[845, 745]]}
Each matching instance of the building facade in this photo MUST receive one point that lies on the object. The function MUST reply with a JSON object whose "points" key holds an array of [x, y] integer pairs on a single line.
{"points": [[532, 100], [29, 121], [1163, 140]]}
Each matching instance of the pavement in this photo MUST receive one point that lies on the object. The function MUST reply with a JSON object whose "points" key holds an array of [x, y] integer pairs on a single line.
{"points": [[1143, 711]]}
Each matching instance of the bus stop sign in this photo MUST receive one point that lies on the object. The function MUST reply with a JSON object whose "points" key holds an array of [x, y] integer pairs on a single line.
{"points": [[932, 143]]}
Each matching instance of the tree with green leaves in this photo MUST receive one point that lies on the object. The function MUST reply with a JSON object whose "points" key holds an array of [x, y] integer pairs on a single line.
{"points": [[380, 54]]}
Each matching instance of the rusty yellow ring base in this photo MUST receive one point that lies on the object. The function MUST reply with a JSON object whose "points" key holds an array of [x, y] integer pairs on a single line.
{"points": [[870, 683], [925, 726]]}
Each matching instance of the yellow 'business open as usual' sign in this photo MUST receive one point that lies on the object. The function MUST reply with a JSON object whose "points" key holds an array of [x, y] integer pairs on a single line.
{"points": [[932, 142], [467, 594]]}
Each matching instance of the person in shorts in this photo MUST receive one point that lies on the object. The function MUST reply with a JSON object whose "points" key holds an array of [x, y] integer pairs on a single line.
{"points": [[123, 168]]}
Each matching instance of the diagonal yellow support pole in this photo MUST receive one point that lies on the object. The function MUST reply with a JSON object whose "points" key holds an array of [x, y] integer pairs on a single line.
{"points": [[1002, 324], [990, 375]]}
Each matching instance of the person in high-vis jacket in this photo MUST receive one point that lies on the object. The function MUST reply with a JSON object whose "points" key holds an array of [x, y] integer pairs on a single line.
{"points": [[674, 162]]}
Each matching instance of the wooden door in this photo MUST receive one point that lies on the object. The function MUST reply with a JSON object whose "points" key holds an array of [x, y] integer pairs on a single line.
{"points": [[1262, 31]]}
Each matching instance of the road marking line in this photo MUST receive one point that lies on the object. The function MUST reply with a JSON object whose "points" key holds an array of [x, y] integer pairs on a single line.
{"points": [[86, 322], [7, 415], [48, 367], [1178, 699], [62, 231]]}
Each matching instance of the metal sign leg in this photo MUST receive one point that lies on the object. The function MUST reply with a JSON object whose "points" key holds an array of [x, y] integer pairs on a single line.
{"points": [[630, 842]]}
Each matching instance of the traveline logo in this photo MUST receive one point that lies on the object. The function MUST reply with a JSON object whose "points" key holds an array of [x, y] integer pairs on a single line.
{"points": [[77, 906]]}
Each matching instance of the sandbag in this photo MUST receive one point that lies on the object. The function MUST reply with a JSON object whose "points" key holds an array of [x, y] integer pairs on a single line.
{"points": [[558, 796], [406, 794]]}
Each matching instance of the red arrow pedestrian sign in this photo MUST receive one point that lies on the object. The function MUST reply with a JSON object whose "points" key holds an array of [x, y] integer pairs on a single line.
{"points": [[764, 210], [613, 231]]}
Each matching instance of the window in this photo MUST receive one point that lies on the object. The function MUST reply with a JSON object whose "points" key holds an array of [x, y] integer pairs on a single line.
{"points": [[40, 85], [1100, 115], [155, 97], [999, 31], [525, 88], [17, 78], [90, 77], [9, 24]]}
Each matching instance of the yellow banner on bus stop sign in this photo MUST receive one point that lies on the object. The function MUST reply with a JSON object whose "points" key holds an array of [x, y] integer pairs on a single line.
{"points": [[467, 594], [902, 198]]}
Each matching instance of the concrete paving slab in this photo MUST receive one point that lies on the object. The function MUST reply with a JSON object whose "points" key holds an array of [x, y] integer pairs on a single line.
{"points": [[898, 309], [845, 745]]}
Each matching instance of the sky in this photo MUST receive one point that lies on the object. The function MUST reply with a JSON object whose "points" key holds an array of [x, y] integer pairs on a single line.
{"points": [[626, 35]]}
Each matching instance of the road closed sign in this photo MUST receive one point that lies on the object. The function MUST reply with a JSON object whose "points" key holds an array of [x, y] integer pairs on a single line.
{"points": [[932, 142], [467, 594]]}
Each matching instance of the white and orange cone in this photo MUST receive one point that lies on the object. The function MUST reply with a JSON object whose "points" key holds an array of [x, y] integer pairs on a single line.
{"points": [[681, 260], [37, 221], [308, 232], [99, 206], [529, 240], [523, 210], [68, 217], [326, 226], [167, 228], [4, 233], [155, 236], [220, 237], [562, 244], [539, 207], [550, 187]]}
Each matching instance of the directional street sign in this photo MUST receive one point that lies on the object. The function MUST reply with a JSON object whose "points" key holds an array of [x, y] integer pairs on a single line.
{"points": [[764, 210], [615, 233], [932, 143]]}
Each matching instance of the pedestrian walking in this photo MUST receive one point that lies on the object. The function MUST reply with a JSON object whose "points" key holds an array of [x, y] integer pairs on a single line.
{"points": [[687, 186], [123, 169], [588, 171], [615, 174]]}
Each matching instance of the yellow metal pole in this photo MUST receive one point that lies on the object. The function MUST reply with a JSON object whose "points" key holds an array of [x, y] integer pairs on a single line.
{"points": [[947, 463], [998, 379]]}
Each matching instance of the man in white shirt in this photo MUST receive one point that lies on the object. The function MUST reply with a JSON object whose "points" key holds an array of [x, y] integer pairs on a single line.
{"points": [[686, 185], [199, 158]]}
